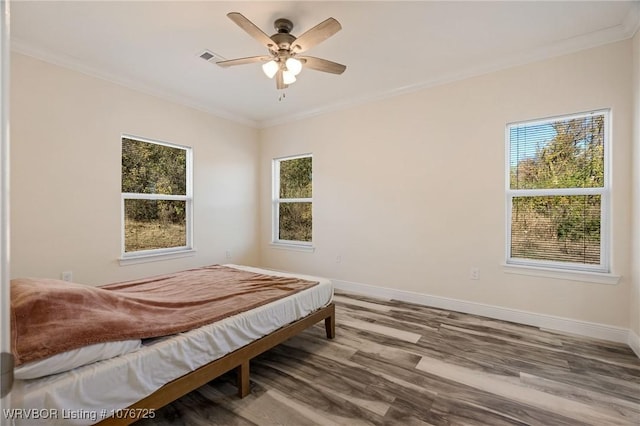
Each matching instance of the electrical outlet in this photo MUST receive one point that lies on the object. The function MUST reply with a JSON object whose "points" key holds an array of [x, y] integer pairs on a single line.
{"points": [[67, 276], [474, 273], [228, 254], [339, 258]]}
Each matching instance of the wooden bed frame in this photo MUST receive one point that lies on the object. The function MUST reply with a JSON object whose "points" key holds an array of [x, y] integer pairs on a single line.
{"points": [[238, 359]]}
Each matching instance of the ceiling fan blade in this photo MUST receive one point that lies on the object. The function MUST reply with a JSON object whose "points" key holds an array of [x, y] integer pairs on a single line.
{"points": [[280, 81], [251, 29], [242, 61], [319, 64], [317, 34]]}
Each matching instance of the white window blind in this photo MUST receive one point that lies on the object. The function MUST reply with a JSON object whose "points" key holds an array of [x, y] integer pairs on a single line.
{"points": [[557, 192]]}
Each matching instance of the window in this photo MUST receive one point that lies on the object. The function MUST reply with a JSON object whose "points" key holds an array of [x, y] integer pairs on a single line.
{"points": [[558, 192], [156, 197], [292, 200]]}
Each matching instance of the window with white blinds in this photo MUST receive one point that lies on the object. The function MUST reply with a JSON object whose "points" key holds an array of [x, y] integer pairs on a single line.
{"points": [[558, 192]]}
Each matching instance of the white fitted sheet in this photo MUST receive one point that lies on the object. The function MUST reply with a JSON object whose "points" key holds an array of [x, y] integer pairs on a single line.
{"points": [[84, 395], [75, 358]]}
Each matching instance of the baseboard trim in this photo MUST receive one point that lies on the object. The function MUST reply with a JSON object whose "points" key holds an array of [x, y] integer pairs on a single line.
{"points": [[634, 342], [566, 325]]}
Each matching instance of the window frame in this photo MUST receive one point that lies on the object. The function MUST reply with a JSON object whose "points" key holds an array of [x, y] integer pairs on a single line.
{"points": [[604, 267], [276, 201], [167, 252]]}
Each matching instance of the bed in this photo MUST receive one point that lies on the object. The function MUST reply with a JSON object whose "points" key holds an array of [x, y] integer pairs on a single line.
{"points": [[125, 388]]}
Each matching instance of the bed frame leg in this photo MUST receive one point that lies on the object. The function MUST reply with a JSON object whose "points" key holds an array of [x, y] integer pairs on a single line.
{"points": [[330, 323], [243, 379]]}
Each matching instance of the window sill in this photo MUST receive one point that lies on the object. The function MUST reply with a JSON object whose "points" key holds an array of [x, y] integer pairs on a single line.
{"points": [[583, 276], [293, 247], [155, 257]]}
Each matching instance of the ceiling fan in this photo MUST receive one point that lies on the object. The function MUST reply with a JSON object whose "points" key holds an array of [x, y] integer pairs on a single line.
{"points": [[284, 61]]}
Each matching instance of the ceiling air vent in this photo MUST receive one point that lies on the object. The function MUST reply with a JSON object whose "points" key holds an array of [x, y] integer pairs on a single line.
{"points": [[209, 56]]}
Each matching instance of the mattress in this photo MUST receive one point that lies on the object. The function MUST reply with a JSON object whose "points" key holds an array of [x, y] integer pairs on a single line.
{"points": [[88, 394]]}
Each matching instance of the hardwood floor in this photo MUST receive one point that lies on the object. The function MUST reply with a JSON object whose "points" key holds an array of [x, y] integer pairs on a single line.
{"points": [[397, 363]]}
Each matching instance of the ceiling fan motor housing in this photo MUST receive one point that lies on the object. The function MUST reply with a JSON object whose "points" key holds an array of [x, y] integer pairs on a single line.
{"points": [[283, 38], [283, 25]]}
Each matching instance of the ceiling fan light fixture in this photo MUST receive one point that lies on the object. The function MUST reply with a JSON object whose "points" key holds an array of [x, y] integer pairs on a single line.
{"points": [[283, 61], [288, 77], [270, 68], [294, 66]]}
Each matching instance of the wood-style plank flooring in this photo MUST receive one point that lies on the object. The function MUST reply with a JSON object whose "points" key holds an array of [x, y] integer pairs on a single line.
{"points": [[395, 363]]}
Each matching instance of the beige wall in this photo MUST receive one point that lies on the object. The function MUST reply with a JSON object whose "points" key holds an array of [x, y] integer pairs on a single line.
{"points": [[409, 191], [65, 175], [635, 253]]}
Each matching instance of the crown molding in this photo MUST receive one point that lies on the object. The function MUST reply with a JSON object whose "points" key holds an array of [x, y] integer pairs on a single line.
{"points": [[568, 46], [624, 30], [631, 23], [73, 64]]}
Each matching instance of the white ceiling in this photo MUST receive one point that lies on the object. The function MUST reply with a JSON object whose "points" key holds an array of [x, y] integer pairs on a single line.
{"points": [[389, 47]]}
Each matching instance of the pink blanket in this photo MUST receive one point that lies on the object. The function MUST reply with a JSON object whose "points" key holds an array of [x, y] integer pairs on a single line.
{"points": [[51, 316]]}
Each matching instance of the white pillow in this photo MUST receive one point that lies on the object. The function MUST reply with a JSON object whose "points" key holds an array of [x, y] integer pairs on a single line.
{"points": [[75, 358]]}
